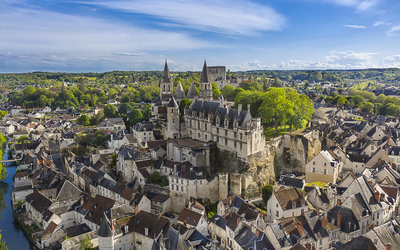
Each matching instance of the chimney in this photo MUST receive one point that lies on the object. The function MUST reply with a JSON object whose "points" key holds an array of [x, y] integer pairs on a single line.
{"points": [[82, 201], [258, 232], [377, 196], [111, 222], [372, 226], [302, 194], [174, 169], [136, 210], [396, 211], [184, 222], [238, 221], [248, 108], [239, 108], [324, 222], [308, 246], [388, 246], [382, 196], [184, 167], [159, 214], [313, 247], [339, 203], [300, 228], [387, 139], [339, 219]]}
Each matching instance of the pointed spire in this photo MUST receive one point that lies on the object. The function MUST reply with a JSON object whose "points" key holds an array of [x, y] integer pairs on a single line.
{"points": [[166, 76], [105, 229], [192, 91], [204, 74], [172, 103], [221, 97], [179, 93]]}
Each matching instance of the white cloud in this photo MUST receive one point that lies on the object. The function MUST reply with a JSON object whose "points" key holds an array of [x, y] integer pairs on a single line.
{"points": [[221, 16], [359, 5], [394, 31], [336, 60], [380, 23], [37, 37], [355, 26], [392, 61]]}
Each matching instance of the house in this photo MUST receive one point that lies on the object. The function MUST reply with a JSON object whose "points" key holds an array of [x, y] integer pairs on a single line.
{"points": [[217, 229], [120, 138], [345, 219], [158, 149], [229, 205], [143, 131], [181, 150], [385, 236], [324, 167], [193, 219], [115, 124], [286, 203], [7, 129]]}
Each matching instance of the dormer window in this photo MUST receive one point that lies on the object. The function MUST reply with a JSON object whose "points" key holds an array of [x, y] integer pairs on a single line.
{"points": [[146, 231], [294, 205]]}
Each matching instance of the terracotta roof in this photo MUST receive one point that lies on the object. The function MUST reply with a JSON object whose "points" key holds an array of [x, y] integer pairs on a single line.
{"points": [[49, 230], [190, 217], [127, 193], [286, 198]]}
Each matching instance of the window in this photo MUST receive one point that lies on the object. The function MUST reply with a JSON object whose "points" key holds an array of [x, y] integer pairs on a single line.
{"points": [[314, 163], [201, 182], [182, 181], [226, 132], [205, 137], [182, 188], [277, 213], [226, 142], [276, 204], [172, 186], [198, 125], [325, 171], [177, 188], [314, 170], [172, 111], [241, 146], [241, 136], [235, 144], [205, 126]]}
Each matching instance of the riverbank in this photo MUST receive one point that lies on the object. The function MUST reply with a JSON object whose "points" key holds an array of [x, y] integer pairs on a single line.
{"points": [[11, 230]]}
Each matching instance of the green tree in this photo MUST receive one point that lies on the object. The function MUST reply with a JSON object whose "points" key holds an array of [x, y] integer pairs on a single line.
{"points": [[135, 117], [275, 106], [266, 192], [3, 170], [215, 90], [83, 119], [184, 103], [126, 99], [277, 82], [109, 111], [367, 107], [341, 101], [228, 91], [124, 107], [86, 244], [23, 139]]}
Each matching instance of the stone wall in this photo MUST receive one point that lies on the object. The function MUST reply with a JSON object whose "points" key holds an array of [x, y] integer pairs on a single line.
{"points": [[156, 189]]}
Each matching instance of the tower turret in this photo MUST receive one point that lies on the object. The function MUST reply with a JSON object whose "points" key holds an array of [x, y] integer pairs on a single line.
{"points": [[106, 236], [173, 124], [166, 84], [205, 86]]}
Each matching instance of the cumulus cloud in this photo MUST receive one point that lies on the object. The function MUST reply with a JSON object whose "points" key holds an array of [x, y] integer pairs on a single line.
{"points": [[380, 23], [392, 61], [355, 26], [222, 16]]}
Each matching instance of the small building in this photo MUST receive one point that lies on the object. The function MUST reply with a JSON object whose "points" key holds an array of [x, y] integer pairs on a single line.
{"points": [[286, 203], [325, 167]]}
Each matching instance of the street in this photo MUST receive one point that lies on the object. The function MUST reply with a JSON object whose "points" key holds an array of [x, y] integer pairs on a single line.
{"points": [[56, 155]]}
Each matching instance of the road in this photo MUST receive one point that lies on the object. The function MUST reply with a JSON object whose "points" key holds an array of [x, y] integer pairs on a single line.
{"points": [[56, 155]]}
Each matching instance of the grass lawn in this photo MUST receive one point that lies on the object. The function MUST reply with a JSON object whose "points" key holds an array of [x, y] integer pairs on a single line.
{"points": [[316, 183]]}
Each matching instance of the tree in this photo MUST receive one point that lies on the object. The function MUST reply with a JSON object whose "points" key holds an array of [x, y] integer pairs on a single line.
{"points": [[277, 82], [86, 244], [215, 90], [341, 101], [184, 103], [124, 107], [275, 106], [126, 99], [3, 170], [228, 91], [83, 119], [109, 111], [135, 117], [367, 107], [266, 192], [23, 139]]}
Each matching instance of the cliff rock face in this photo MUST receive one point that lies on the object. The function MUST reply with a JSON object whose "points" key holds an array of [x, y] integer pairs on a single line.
{"points": [[295, 151]]}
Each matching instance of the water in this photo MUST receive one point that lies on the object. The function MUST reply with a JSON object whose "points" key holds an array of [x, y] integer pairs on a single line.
{"points": [[11, 231]]}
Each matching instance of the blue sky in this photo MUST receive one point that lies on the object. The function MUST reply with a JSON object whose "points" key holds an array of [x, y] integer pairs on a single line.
{"points": [[106, 35]]}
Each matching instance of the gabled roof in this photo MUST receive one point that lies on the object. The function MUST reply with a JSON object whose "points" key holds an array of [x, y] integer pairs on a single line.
{"points": [[38, 201], [360, 242], [349, 222], [172, 103], [153, 223], [99, 205], [286, 198], [190, 217], [179, 93]]}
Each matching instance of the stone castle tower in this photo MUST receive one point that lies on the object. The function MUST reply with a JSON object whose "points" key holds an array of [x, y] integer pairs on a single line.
{"points": [[205, 86], [166, 84], [173, 123], [106, 237]]}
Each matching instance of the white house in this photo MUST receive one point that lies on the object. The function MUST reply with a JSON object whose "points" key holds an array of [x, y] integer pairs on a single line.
{"points": [[324, 167], [286, 203]]}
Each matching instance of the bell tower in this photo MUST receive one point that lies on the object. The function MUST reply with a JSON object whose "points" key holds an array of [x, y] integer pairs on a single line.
{"points": [[166, 85], [205, 86]]}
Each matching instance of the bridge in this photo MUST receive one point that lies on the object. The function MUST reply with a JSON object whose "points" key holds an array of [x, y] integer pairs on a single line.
{"points": [[8, 161]]}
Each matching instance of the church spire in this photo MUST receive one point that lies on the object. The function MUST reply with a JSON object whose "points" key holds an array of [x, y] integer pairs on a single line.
{"points": [[204, 74], [166, 76]]}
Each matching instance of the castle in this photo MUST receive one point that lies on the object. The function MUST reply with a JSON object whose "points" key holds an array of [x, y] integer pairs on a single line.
{"points": [[206, 119]]}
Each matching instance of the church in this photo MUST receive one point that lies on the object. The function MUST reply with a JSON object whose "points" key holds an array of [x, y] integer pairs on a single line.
{"points": [[207, 119]]}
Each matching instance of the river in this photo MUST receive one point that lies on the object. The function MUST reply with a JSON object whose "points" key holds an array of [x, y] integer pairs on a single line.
{"points": [[11, 231]]}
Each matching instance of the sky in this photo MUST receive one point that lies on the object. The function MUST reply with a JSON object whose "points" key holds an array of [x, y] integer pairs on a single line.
{"points": [[107, 35]]}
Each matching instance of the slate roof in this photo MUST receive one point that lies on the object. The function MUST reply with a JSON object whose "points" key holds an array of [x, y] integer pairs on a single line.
{"points": [[129, 153], [192, 92], [359, 243], [26, 146], [294, 182], [166, 77], [105, 228], [179, 93], [77, 230], [152, 222], [172, 103], [349, 222], [233, 220], [143, 126], [99, 206], [38, 201], [219, 221], [248, 240], [204, 74]]}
